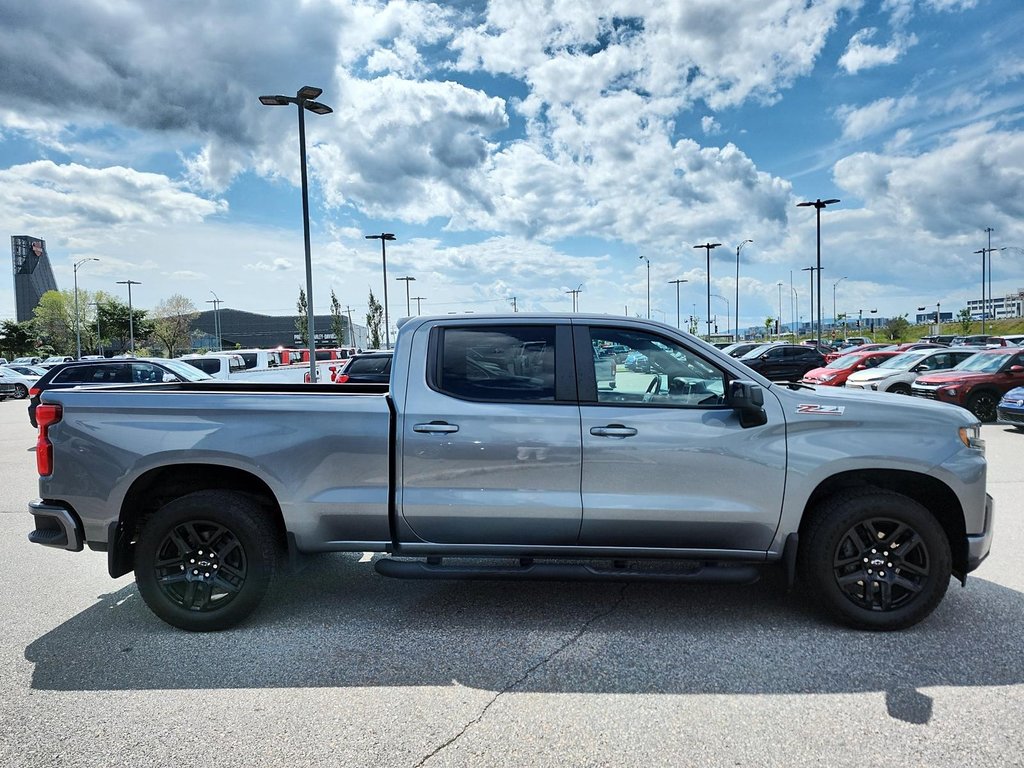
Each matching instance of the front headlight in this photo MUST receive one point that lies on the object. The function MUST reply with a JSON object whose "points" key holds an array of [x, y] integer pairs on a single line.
{"points": [[951, 391], [829, 376], [971, 437]]}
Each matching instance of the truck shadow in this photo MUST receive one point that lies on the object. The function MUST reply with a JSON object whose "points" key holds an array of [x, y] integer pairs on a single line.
{"points": [[339, 624]]}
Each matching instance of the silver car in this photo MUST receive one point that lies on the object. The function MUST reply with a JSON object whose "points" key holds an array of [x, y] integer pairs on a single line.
{"points": [[897, 373]]}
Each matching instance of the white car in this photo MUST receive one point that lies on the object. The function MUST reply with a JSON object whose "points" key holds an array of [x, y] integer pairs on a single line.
{"points": [[22, 377], [896, 374]]}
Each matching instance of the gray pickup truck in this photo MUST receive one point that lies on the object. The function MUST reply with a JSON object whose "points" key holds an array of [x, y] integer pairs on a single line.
{"points": [[496, 451]]}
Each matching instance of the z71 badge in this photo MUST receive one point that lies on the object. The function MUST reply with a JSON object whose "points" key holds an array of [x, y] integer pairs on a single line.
{"points": [[821, 410]]}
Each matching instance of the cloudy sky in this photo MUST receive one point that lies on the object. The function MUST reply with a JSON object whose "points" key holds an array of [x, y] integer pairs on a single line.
{"points": [[520, 150]]}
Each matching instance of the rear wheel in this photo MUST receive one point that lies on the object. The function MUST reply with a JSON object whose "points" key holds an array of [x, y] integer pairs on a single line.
{"points": [[899, 389], [875, 560], [204, 561], [983, 405], [20, 391]]}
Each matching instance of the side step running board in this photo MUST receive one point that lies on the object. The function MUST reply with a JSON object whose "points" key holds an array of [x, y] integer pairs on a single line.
{"points": [[530, 571]]}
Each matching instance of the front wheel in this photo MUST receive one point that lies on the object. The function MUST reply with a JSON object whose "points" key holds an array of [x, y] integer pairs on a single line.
{"points": [[899, 389], [204, 561], [20, 391], [983, 405], [875, 559]]}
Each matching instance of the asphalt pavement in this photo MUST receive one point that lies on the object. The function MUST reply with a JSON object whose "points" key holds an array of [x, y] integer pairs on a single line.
{"points": [[343, 667]]}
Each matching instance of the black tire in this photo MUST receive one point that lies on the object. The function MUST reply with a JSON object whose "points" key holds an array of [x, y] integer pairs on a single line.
{"points": [[20, 391], [204, 561], [899, 389], [875, 559], [983, 405]]}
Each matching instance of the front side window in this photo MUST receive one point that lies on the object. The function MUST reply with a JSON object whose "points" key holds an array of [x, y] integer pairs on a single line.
{"points": [[506, 363], [656, 371]]}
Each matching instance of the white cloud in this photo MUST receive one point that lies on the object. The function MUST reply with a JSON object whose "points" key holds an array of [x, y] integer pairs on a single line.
{"points": [[709, 125], [875, 117], [862, 55], [277, 265]]}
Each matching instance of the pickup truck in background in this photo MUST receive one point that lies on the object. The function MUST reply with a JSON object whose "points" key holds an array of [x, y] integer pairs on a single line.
{"points": [[497, 452]]}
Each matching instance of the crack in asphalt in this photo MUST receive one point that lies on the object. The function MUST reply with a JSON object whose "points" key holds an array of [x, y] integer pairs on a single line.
{"points": [[572, 639]]}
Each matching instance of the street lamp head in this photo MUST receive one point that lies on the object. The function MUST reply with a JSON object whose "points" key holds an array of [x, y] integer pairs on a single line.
{"points": [[819, 203], [708, 245], [274, 101], [309, 92], [407, 279], [317, 108], [381, 236]]}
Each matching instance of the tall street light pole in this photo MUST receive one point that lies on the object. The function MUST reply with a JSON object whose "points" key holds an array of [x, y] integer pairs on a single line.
{"points": [[818, 205], [418, 299], [779, 331], [834, 318], [78, 326], [983, 253], [648, 286], [131, 323], [384, 238], [812, 270], [575, 296], [677, 282], [216, 319], [99, 342], [736, 336], [304, 98], [708, 247], [728, 310], [408, 306]]}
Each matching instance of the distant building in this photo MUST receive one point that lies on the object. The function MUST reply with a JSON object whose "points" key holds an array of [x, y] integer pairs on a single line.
{"points": [[245, 330], [32, 274], [1011, 305]]}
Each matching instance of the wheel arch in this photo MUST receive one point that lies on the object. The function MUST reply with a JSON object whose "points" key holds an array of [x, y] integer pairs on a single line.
{"points": [[157, 487], [934, 495]]}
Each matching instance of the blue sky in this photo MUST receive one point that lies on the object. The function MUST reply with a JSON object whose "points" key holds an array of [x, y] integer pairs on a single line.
{"points": [[521, 149]]}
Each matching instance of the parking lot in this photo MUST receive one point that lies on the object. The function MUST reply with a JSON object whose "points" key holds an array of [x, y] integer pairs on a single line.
{"points": [[344, 667]]}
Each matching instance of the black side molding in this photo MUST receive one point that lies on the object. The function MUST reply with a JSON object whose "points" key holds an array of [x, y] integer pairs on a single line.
{"points": [[528, 570]]}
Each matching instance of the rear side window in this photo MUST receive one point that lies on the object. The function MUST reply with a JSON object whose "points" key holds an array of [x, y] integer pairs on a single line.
{"points": [[503, 363], [380, 364], [209, 365]]}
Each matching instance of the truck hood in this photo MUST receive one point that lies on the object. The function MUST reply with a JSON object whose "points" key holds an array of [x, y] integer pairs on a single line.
{"points": [[846, 405]]}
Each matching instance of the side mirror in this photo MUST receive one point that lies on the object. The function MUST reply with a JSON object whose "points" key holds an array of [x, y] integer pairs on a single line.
{"points": [[860, 367], [764, 356], [1017, 369], [168, 378], [747, 399]]}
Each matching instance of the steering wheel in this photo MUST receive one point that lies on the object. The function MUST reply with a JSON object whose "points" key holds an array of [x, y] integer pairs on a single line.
{"points": [[652, 389]]}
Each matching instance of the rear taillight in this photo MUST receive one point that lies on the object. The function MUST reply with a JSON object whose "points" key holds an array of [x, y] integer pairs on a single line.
{"points": [[34, 392], [46, 416], [342, 378]]}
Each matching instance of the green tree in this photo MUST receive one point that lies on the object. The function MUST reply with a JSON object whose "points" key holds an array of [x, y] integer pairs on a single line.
{"points": [[374, 321], [173, 323], [768, 323], [16, 339], [337, 321], [113, 318], [964, 318], [54, 321], [896, 328], [301, 323]]}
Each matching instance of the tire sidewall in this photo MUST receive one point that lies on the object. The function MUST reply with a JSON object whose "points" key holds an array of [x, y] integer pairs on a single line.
{"points": [[254, 534], [835, 520], [972, 406]]}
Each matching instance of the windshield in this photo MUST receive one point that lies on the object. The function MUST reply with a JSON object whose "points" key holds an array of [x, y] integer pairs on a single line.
{"points": [[905, 361], [186, 371], [846, 361], [984, 363]]}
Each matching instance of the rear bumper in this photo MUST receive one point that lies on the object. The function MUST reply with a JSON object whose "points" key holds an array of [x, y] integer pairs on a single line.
{"points": [[980, 544], [56, 527]]}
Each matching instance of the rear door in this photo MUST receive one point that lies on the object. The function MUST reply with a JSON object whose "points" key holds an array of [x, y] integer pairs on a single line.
{"points": [[489, 440], [666, 463]]}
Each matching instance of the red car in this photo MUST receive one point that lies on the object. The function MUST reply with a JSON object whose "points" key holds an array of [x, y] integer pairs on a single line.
{"points": [[977, 383], [850, 350], [838, 371]]}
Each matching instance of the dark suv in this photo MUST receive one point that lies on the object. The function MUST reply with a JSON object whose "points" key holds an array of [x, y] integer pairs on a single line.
{"points": [[783, 362], [112, 371]]}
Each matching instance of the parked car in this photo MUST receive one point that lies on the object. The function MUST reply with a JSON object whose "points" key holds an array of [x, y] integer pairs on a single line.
{"points": [[637, 362], [6, 390], [977, 383], [367, 368], [849, 350], [897, 373], [55, 360], [1010, 340], [975, 340], [1011, 409], [783, 362], [219, 365], [835, 373], [912, 345], [31, 360], [21, 382], [134, 370]]}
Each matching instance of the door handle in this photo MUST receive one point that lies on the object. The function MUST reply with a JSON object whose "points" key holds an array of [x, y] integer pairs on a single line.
{"points": [[613, 430], [435, 427]]}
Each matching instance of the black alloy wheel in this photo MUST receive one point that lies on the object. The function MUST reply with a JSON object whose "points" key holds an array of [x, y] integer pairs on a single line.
{"points": [[875, 559], [983, 405], [204, 561], [899, 389]]}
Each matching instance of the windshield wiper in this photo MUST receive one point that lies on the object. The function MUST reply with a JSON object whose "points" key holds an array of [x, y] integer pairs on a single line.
{"points": [[795, 384]]}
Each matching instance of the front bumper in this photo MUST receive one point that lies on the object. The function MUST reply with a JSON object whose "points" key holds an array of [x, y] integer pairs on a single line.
{"points": [[1013, 417], [56, 527], [980, 544]]}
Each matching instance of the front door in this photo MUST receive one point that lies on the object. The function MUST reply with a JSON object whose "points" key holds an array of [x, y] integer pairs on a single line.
{"points": [[489, 443], [665, 461]]}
